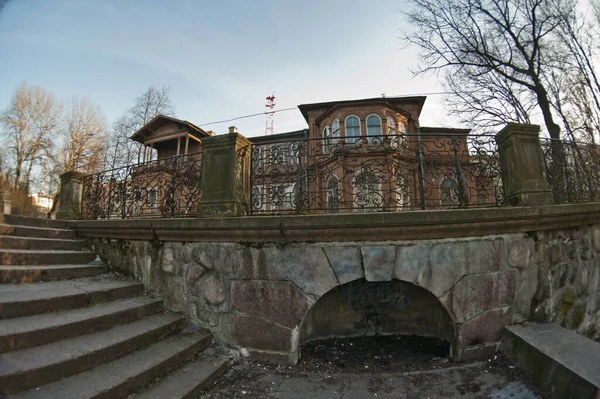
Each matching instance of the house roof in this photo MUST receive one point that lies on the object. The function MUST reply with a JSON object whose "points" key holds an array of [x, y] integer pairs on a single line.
{"points": [[395, 101], [280, 137], [443, 130], [160, 120]]}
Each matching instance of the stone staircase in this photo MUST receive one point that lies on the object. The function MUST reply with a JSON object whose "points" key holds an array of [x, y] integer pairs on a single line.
{"points": [[69, 331]]}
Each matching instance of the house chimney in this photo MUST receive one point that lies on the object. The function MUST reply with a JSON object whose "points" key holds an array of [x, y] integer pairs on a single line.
{"points": [[233, 129]]}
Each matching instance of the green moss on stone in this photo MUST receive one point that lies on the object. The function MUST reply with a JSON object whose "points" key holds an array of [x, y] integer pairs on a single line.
{"points": [[579, 314], [567, 301]]}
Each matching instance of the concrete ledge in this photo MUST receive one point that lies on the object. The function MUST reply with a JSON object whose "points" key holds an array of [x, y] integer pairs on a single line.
{"points": [[563, 363], [382, 226]]}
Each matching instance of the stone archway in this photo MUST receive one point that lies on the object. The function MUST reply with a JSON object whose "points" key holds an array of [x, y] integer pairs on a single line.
{"points": [[363, 308]]}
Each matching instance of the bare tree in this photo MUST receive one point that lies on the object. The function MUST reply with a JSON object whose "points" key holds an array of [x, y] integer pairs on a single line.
{"points": [[513, 39], [29, 125], [83, 137], [123, 151], [508, 38]]}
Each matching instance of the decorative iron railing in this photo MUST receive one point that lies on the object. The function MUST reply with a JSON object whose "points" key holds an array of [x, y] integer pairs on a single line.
{"points": [[376, 173], [168, 187], [573, 170]]}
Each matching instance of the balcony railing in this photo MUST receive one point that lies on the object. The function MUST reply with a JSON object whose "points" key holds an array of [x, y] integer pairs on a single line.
{"points": [[376, 173], [168, 187], [572, 170]]}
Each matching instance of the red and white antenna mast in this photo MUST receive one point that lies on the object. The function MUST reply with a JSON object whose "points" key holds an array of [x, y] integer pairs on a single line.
{"points": [[270, 114]]}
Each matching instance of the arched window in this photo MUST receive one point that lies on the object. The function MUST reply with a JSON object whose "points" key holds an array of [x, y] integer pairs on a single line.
{"points": [[326, 139], [352, 130], [402, 128], [374, 128], [333, 195], [449, 192], [335, 127], [391, 125], [368, 195]]}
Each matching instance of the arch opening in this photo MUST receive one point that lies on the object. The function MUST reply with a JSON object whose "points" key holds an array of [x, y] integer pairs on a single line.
{"points": [[379, 309]]}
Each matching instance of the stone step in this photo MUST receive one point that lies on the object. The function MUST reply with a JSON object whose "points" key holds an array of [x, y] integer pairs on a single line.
{"points": [[30, 274], [42, 232], [29, 368], [33, 222], [188, 381], [15, 242], [28, 332], [560, 361], [126, 375], [44, 257], [18, 300]]}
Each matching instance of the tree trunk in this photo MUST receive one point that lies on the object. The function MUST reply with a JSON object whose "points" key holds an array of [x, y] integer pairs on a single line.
{"points": [[558, 156]]}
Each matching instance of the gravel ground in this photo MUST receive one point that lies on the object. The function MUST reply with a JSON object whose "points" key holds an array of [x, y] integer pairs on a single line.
{"points": [[369, 367]]}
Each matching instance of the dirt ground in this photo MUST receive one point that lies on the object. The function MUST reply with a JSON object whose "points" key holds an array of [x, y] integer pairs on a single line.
{"points": [[375, 367]]}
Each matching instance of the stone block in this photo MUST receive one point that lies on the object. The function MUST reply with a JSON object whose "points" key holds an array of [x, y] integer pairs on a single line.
{"points": [[485, 328], [447, 264], [346, 262], [485, 255], [255, 333], [213, 289], [173, 293], [167, 262], [519, 253], [225, 257], [526, 289], [276, 301], [193, 274], [475, 294], [305, 266], [411, 259], [596, 239], [379, 262]]}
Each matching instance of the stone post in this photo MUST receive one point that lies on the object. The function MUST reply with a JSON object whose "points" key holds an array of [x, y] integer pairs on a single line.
{"points": [[69, 200], [225, 175], [5, 206], [522, 161]]}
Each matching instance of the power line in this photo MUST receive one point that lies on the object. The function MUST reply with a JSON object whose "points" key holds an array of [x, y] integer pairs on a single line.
{"points": [[435, 93], [247, 116]]}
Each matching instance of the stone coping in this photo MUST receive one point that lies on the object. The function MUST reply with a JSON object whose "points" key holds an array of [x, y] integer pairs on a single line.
{"points": [[380, 226]]}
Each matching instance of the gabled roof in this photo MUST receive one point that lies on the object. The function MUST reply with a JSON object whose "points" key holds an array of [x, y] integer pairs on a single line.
{"points": [[159, 121], [395, 101]]}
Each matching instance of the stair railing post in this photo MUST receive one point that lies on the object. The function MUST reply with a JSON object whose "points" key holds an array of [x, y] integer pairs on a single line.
{"points": [[69, 200]]}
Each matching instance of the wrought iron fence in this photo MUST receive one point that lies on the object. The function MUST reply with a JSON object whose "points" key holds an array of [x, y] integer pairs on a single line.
{"points": [[376, 173], [168, 187], [573, 170]]}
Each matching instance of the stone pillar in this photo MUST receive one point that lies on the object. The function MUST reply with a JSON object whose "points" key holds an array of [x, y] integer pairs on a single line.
{"points": [[225, 175], [5, 207], [522, 161], [69, 200]]}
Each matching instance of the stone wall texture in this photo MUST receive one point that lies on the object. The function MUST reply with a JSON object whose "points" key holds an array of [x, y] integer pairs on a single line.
{"points": [[258, 296]]}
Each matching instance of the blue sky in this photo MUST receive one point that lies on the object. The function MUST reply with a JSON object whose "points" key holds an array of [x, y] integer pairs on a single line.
{"points": [[220, 58]]}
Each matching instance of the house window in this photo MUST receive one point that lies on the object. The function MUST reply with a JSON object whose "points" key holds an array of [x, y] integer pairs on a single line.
{"points": [[335, 127], [326, 140], [449, 192], [374, 129], [402, 190], [281, 197], [333, 195], [368, 196], [391, 125], [352, 130]]}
